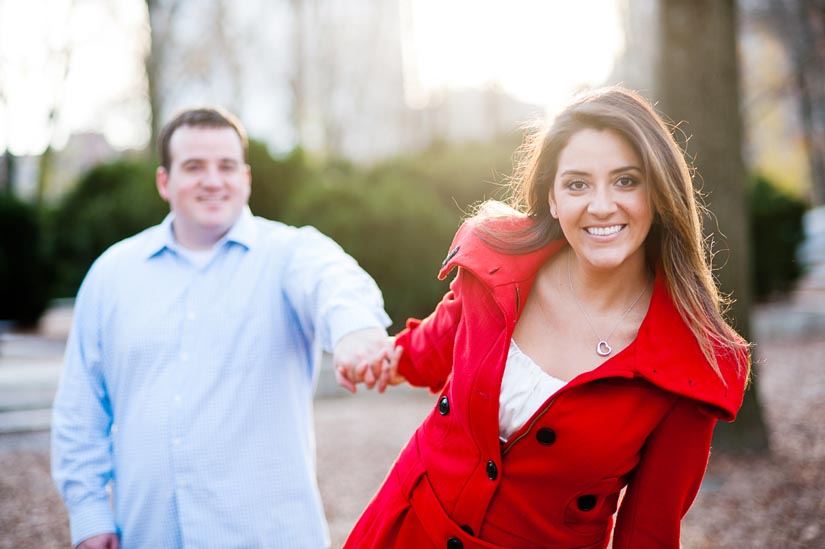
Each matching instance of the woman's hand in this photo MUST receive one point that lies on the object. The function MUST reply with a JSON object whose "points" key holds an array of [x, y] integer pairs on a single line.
{"points": [[389, 370]]}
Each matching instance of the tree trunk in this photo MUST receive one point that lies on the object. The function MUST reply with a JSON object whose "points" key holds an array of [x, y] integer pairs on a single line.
{"points": [[298, 78], [160, 15], [152, 66], [697, 82], [808, 52]]}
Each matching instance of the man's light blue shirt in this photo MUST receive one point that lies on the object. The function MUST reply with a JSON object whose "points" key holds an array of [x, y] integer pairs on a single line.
{"points": [[188, 391]]}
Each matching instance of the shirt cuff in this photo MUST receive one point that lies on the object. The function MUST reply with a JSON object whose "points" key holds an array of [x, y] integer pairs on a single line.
{"points": [[90, 519], [345, 321]]}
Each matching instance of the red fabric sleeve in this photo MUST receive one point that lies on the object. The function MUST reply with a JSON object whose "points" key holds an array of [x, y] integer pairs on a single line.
{"points": [[428, 344], [666, 480]]}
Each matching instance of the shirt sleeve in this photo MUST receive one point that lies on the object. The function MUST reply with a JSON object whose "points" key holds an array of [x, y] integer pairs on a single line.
{"points": [[428, 344], [330, 293], [666, 480], [81, 448]]}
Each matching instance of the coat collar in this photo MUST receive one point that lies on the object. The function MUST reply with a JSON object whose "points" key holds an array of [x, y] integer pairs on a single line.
{"points": [[664, 353]]}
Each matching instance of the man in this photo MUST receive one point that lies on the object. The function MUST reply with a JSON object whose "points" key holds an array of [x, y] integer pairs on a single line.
{"points": [[184, 413]]}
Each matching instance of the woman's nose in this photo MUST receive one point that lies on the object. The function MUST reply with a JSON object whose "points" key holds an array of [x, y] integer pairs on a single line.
{"points": [[601, 202]]}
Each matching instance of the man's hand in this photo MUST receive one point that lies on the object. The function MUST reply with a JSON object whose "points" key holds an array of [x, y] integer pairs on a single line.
{"points": [[362, 356], [100, 541]]}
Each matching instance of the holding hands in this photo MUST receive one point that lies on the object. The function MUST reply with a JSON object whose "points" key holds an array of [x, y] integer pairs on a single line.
{"points": [[367, 356]]}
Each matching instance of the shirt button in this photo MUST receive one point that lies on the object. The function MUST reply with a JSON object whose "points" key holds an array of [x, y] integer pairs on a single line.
{"points": [[444, 406], [191, 315], [454, 543], [546, 436], [176, 442], [492, 470], [177, 399], [184, 357]]}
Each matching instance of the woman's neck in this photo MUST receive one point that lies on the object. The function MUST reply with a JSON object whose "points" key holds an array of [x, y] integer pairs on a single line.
{"points": [[604, 290]]}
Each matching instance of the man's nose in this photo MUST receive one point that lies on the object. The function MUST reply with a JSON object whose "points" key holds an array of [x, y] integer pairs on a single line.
{"points": [[212, 177]]}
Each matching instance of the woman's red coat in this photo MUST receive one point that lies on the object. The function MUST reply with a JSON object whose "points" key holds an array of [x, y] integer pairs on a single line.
{"points": [[643, 419]]}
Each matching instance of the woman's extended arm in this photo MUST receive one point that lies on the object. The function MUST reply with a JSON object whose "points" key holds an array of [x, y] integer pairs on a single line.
{"points": [[427, 359]]}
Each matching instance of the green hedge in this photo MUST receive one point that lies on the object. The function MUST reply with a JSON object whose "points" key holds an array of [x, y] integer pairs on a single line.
{"points": [[776, 232], [25, 273], [396, 218], [110, 202]]}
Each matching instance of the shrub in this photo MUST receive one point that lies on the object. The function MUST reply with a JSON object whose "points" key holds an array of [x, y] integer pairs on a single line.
{"points": [[776, 232], [397, 231], [110, 202], [396, 218], [274, 180], [24, 271]]}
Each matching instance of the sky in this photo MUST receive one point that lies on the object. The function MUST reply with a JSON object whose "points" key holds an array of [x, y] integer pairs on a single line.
{"points": [[536, 50], [102, 89]]}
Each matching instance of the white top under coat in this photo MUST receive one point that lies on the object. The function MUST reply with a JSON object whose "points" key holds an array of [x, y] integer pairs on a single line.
{"points": [[524, 388]]}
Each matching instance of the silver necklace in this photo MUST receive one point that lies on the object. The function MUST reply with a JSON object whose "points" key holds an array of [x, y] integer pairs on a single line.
{"points": [[603, 348]]}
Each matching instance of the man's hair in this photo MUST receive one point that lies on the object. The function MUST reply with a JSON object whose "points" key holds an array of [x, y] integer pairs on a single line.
{"points": [[200, 117]]}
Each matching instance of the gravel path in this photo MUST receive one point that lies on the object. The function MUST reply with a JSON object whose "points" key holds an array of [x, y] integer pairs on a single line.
{"points": [[775, 501]]}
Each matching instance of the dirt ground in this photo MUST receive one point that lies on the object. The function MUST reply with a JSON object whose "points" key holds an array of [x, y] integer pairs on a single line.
{"points": [[771, 501]]}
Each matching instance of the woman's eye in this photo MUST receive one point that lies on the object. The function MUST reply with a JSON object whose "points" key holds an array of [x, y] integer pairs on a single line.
{"points": [[626, 182], [577, 185]]}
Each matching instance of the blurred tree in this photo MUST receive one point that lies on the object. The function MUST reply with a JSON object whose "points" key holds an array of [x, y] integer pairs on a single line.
{"points": [[697, 81], [110, 202], [345, 74], [61, 47], [208, 58], [153, 60], [397, 218], [275, 181], [24, 270], [397, 229], [297, 82], [775, 233], [459, 174], [7, 168], [801, 25]]}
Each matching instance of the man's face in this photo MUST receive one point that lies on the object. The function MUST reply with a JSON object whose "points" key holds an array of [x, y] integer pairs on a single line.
{"points": [[207, 184]]}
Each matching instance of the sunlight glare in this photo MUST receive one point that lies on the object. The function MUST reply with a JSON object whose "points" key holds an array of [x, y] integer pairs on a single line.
{"points": [[536, 50]]}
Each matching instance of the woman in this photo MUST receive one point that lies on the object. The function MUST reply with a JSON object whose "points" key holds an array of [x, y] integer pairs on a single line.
{"points": [[579, 352]]}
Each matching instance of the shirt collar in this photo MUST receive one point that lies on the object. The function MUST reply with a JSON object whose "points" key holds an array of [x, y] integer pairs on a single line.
{"points": [[242, 232]]}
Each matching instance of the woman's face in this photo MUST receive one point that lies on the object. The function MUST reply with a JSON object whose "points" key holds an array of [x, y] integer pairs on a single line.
{"points": [[600, 197]]}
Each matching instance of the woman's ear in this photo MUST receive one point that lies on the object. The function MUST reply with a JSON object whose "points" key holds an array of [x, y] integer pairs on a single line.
{"points": [[553, 212]]}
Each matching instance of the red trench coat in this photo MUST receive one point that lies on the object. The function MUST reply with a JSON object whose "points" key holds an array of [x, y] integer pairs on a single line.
{"points": [[643, 419]]}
